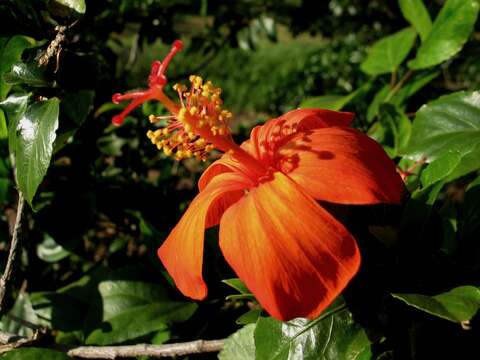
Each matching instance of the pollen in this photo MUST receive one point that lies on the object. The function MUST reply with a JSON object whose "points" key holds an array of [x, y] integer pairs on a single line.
{"points": [[200, 120]]}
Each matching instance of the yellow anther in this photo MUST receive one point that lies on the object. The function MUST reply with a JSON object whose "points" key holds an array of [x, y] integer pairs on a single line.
{"points": [[193, 110], [188, 153], [181, 114], [209, 148], [191, 135], [152, 118], [200, 142], [150, 134], [165, 131], [180, 87], [187, 127], [167, 151]]}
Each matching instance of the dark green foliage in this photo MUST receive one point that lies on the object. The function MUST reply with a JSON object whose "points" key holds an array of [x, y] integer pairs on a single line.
{"points": [[102, 199]]}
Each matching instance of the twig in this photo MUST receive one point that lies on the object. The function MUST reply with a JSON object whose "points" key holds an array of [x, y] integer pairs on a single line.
{"points": [[13, 249], [156, 351], [11, 341], [398, 86]]}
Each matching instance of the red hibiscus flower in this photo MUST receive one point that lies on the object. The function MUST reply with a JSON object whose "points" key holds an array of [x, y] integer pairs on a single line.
{"points": [[292, 254]]}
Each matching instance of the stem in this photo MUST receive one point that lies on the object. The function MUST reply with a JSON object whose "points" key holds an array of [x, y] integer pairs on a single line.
{"points": [[13, 249], [398, 86]]}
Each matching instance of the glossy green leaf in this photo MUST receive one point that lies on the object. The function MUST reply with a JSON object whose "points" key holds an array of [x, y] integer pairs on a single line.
{"points": [[10, 53], [14, 107], [240, 345], [132, 309], [50, 251], [388, 53], [448, 124], [32, 353], [22, 309], [449, 32], [28, 74], [416, 14], [334, 335], [440, 168], [457, 305], [35, 134]]}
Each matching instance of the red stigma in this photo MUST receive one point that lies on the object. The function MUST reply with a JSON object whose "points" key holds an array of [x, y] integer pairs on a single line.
{"points": [[156, 81]]}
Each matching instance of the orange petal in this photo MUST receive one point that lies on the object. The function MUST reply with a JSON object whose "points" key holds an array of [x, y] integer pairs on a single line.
{"points": [[265, 139], [182, 251], [341, 165], [290, 252]]}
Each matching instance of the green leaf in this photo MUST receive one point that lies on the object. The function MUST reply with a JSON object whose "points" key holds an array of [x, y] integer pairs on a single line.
{"points": [[333, 335], [50, 251], [34, 354], [68, 6], [396, 128], [10, 53], [240, 345], [140, 321], [440, 168], [449, 32], [28, 74], [132, 309], [457, 305], [249, 317], [35, 134], [14, 107], [238, 285], [416, 14], [73, 111], [388, 53], [405, 92], [448, 124], [22, 309]]}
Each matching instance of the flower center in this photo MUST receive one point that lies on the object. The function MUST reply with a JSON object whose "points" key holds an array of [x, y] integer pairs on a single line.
{"points": [[196, 125]]}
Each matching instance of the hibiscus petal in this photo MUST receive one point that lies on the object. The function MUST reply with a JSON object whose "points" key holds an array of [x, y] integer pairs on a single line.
{"points": [[265, 139], [290, 252], [182, 251], [341, 165]]}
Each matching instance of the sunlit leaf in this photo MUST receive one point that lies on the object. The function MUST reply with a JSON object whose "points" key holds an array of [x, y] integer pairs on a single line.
{"points": [[459, 304], [9, 54], [388, 53], [449, 32], [417, 15], [240, 345], [448, 124], [35, 134], [26, 73], [333, 335]]}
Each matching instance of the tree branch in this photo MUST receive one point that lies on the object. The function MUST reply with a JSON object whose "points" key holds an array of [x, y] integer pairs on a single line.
{"points": [[156, 351], [13, 250], [12, 341]]}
